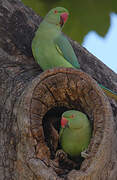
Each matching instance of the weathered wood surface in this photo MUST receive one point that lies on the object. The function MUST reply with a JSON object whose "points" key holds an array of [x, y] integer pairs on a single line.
{"points": [[22, 105]]}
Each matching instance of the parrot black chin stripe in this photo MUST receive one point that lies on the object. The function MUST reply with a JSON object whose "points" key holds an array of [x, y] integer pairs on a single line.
{"points": [[61, 21]]}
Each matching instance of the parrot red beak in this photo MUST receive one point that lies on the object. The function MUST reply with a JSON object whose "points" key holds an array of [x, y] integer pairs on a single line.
{"points": [[64, 122], [63, 18]]}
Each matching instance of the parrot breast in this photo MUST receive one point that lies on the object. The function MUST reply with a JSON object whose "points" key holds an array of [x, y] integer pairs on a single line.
{"points": [[74, 141]]}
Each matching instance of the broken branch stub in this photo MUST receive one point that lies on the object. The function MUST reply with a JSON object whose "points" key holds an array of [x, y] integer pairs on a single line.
{"points": [[42, 104]]}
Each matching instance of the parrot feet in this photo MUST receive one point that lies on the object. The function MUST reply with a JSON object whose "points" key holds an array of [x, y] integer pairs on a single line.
{"points": [[64, 160], [61, 155], [84, 154]]}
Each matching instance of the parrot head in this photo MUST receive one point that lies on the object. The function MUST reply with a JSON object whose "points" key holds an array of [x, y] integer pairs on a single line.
{"points": [[57, 16], [72, 118]]}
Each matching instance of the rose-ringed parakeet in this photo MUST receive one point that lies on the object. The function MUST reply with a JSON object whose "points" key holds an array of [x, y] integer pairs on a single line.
{"points": [[49, 46], [52, 49], [75, 132]]}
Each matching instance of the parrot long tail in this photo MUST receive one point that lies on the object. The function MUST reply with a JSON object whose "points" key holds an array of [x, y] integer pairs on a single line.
{"points": [[108, 92]]}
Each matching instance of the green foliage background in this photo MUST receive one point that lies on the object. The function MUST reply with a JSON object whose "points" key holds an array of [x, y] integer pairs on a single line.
{"points": [[84, 15]]}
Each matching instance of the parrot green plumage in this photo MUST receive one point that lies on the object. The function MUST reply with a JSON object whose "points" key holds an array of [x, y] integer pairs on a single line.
{"points": [[75, 132], [52, 49]]}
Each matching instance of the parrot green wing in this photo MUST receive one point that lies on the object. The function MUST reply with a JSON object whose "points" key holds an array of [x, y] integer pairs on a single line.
{"points": [[65, 49]]}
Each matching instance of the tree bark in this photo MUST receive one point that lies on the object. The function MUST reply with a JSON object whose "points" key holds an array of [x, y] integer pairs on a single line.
{"points": [[32, 101]]}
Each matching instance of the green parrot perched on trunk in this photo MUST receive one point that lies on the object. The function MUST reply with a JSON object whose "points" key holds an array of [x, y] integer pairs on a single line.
{"points": [[75, 132], [52, 49]]}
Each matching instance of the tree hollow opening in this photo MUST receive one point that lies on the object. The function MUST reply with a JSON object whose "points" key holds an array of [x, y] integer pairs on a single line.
{"points": [[59, 90]]}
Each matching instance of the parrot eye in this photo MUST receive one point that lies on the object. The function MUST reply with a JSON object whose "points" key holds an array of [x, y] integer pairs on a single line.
{"points": [[55, 11]]}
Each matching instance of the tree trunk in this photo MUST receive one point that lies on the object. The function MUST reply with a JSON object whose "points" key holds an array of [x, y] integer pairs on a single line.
{"points": [[32, 101]]}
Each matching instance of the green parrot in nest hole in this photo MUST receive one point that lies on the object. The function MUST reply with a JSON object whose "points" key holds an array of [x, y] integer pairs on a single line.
{"points": [[75, 133]]}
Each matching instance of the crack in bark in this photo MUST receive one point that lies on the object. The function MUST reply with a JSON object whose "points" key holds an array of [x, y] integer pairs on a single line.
{"points": [[51, 93], [38, 99]]}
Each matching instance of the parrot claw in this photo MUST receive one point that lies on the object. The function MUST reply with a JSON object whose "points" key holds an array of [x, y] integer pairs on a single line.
{"points": [[61, 155], [84, 154]]}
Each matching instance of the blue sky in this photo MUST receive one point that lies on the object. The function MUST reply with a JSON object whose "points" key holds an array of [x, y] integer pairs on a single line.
{"points": [[104, 48]]}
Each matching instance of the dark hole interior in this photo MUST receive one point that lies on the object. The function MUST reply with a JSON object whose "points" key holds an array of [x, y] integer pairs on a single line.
{"points": [[53, 117]]}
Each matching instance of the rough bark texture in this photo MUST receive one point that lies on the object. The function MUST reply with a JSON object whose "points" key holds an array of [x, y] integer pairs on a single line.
{"points": [[29, 99]]}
